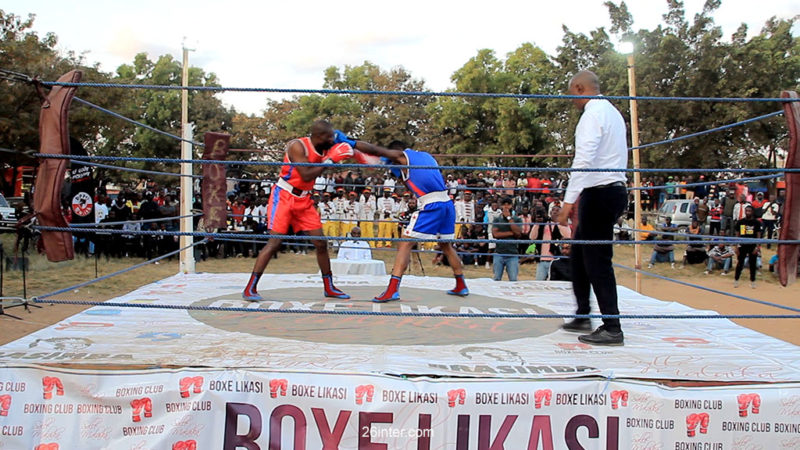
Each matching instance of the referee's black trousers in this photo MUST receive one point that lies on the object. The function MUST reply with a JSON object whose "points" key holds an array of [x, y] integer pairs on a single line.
{"points": [[598, 210]]}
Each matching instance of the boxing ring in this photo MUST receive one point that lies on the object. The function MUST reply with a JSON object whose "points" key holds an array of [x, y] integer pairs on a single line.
{"points": [[164, 365]]}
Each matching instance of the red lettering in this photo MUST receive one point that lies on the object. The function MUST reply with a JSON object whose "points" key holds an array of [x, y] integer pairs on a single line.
{"points": [[233, 441], [485, 432], [330, 439], [275, 424], [541, 427]]}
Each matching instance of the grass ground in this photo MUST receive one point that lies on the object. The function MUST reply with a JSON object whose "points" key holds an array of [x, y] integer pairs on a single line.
{"points": [[44, 277]]}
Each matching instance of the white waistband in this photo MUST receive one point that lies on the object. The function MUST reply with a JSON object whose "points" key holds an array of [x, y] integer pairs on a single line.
{"points": [[285, 185], [431, 197]]}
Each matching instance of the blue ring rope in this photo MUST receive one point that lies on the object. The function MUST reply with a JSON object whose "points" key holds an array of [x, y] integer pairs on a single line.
{"points": [[460, 188], [392, 249], [161, 219], [134, 122], [119, 272], [704, 183], [421, 314], [292, 237], [131, 169], [710, 130], [398, 166], [715, 291], [417, 93]]}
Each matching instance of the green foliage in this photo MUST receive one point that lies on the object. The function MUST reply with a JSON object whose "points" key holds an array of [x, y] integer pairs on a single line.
{"points": [[485, 125], [679, 58]]}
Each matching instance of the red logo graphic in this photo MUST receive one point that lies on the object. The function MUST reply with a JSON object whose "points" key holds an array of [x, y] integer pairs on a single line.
{"points": [[619, 398], [48, 383], [686, 341], [745, 400], [542, 396], [364, 392], [142, 404], [454, 395], [276, 384], [185, 445], [189, 382], [51, 446], [693, 420], [575, 346], [5, 404], [82, 204]]}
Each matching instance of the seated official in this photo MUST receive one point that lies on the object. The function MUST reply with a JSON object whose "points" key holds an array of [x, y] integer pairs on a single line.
{"points": [[720, 255], [354, 250]]}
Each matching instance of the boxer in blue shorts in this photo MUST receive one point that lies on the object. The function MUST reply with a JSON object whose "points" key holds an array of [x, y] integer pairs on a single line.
{"points": [[434, 219]]}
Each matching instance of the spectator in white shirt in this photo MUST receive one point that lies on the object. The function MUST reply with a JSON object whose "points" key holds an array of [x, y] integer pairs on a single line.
{"points": [[465, 209], [368, 207], [769, 217], [320, 183], [739, 208], [600, 142], [100, 210], [351, 250]]}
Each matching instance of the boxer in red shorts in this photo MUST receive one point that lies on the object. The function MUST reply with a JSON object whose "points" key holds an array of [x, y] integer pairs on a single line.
{"points": [[290, 203]]}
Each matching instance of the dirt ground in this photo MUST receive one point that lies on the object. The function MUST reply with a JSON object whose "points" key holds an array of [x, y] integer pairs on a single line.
{"points": [[44, 277]]}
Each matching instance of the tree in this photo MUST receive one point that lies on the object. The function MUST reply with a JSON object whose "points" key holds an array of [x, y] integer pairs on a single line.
{"points": [[23, 51], [495, 125], [160, 109], [690, 58]]}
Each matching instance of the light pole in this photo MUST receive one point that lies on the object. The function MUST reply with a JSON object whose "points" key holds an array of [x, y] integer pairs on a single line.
{"points": [[626, 48]]}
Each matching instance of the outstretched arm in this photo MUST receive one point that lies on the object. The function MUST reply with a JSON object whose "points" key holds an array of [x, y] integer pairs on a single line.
{"points": [[396, 156]]}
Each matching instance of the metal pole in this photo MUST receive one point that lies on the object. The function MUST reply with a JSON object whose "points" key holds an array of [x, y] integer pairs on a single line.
{"points": [[637, 182], [186, 223]]}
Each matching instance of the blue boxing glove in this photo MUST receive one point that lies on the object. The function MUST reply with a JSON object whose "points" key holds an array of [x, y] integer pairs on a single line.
{"points": [[339, 137]]}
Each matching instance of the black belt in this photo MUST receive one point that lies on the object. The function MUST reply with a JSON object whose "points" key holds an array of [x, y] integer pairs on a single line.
{"points": [[298, 192], [614, 184]]}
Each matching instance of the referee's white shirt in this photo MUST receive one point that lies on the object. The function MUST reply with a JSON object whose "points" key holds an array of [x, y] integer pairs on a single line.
{"points": [[599, 143]]}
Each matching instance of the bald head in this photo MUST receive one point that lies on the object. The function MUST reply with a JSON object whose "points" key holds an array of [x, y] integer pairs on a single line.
{"points": [[588, 80], [321, 127], [321, 135], [584, 82]]}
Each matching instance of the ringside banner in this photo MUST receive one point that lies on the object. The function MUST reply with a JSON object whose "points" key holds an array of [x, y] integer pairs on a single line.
{"points": [[241, 409]]}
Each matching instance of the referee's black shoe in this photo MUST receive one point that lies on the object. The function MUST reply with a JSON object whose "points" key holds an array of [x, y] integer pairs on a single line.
{"points": [[578, 326], [601, 336]]}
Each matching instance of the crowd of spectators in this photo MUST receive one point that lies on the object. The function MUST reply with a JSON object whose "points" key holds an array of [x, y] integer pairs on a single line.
{"points": [[380, 205]]}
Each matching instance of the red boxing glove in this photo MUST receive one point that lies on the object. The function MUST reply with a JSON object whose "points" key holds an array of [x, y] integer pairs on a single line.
{"points": [[364, 158], [339, 152]]}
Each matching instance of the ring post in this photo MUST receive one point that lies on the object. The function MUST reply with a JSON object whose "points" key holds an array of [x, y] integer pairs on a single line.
{"points": [[637, 182], [187, 255]]}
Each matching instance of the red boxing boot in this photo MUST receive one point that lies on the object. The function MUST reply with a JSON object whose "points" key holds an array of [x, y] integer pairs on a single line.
{"points": [[250, 293], [391, 293], [331, 290], [461, 287]]}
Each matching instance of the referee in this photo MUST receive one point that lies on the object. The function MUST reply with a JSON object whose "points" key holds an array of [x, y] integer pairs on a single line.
{"points": [[599, 143]]}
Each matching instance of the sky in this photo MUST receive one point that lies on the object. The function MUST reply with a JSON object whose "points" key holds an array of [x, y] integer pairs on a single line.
{"points": [[288, 44]]}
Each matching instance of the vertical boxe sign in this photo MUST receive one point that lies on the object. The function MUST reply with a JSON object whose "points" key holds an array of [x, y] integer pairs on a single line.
{"points": [[213, 185]]}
